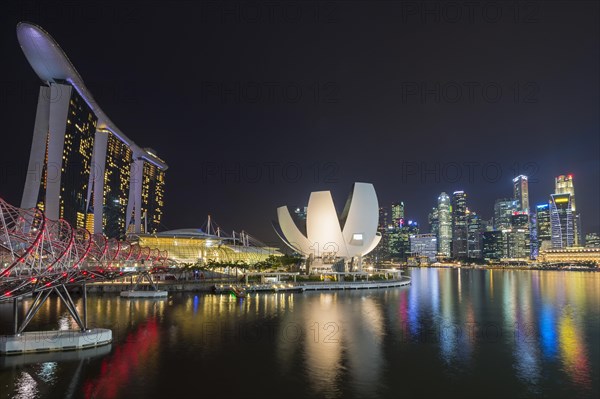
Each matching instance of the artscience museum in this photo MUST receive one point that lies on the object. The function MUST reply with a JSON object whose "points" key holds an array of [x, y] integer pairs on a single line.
{"points": [[329, 240]]}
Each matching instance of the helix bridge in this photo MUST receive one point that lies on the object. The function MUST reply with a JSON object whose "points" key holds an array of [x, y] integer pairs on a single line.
{"points": [[39, 256]]}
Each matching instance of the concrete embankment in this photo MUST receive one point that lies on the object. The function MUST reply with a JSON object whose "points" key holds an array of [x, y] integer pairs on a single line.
{"points": [[174, 286], [208, 286]]}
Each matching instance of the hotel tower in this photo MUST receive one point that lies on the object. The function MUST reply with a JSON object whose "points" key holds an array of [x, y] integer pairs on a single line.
{"points": [[82, 168]]}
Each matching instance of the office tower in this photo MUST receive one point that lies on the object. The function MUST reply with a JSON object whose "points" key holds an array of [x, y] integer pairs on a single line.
{"points": [[444, 225], [474, 235], [521, 193], [518, 237], [397, 213], [503, 210], [459, 225], [424, 245], [434, 221], [383, 218], [382, 251], [399, 239], [543, 227], [82, 168], [533, 235], [494, 245], [592, 240], [563, 184], [561, 220]]}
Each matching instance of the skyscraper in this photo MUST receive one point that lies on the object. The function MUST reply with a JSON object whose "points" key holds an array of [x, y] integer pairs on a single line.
{"points": [[533, 238], [383, 218], [521, 193], [434, 221], [424, 245], [382, 251], [82, 168], [475, 231], [444, 225], [503, 210], [494, 245], [397, 213], [563, 184], [459, 225], [519, 238], [543, 226], [399, 239], [561, 220]]}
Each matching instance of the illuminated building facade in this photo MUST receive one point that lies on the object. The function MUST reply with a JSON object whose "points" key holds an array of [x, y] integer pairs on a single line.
{"points": [[153, 189], [533, 235], [475, 229], [543, 227], [444, 225], [592, 240], [518, 236], [503, 210], [561, 220], [521, 193], [82, 167], [563, 184], [571, 255], [381, 252], [67, 157], [197, 247], [459, 225], [424, 245], [397, 213], [117, 179], [399, 239], [434, 221], [494, 245]]}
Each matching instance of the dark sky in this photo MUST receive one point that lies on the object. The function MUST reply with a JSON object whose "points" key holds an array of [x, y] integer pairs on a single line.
{"points": [[255, 104]]}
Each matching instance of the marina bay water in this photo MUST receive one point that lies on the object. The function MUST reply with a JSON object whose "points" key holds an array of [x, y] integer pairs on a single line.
{"points": [[452, 333]]}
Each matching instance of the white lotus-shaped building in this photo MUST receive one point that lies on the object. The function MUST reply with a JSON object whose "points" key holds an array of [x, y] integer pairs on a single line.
{"points": [[353, 234]]}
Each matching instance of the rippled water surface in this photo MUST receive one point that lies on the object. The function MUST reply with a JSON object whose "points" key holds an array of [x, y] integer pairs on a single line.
{"points": [[452, 333]]}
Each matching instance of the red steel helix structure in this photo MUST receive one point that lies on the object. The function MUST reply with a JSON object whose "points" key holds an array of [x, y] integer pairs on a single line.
{"points": [[38, 254]]}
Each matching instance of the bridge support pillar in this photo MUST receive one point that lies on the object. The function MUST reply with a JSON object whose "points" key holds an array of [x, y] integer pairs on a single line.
{"points": [[85, 318], [16, 315]]}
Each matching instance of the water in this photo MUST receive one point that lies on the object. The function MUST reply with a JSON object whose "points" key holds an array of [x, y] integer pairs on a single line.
{"points": [[453, 333]]}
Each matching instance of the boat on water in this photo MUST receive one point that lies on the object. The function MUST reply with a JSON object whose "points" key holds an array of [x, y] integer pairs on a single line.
{"points": [[238, 292]]}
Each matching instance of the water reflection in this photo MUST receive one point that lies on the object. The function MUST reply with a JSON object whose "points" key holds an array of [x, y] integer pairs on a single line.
{"points": [[539, 318], [494, 332], [120, 367], [573, 350], [26, 386]]}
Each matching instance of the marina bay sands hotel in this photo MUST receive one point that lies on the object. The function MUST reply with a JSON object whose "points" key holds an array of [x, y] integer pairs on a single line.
{"points": [[82, 168]]}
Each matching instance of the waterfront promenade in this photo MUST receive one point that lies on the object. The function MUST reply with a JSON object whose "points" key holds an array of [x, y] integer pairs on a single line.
{"points": [[209, 285]]}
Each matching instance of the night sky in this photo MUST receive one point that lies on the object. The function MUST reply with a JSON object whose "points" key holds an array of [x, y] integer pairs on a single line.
{"points": [[253, 105]]}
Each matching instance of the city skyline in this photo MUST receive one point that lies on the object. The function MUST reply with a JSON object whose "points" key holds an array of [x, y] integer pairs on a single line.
{"points": [[340, 199], [222, 147]]}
